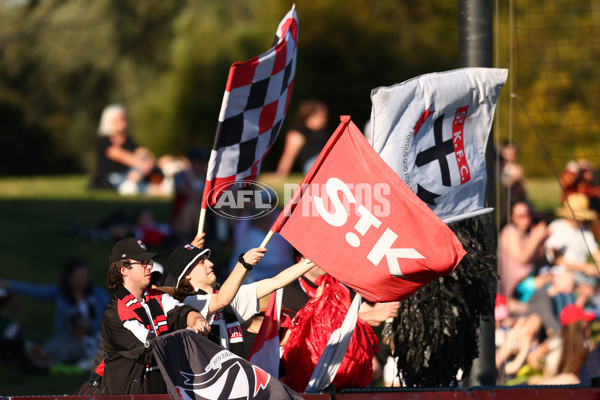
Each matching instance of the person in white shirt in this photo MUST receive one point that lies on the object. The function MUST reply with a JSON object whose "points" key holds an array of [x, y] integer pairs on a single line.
{"points": [[233, 303]]}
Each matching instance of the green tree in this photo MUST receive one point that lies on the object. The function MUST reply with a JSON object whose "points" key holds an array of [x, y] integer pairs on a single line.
{"points": [[61, 62]]}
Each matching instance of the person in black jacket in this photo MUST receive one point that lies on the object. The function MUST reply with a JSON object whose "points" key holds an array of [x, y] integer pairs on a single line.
{"points": [[135, 316]]}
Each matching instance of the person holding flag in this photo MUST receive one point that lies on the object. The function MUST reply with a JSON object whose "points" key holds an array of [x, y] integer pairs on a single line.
{"points": [[135, 317], [234, 303]]}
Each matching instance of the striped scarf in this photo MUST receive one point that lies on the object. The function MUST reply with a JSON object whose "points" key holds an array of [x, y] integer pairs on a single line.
{"points": [[230, 338], [134, 317]]}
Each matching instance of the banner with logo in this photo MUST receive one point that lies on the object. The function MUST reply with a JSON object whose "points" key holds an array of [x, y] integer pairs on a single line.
{"points": [[355, 218], [432, 130], [194, 368]]}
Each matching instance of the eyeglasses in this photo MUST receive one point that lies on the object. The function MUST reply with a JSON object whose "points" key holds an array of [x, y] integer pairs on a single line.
{"points": [[145, 264]]}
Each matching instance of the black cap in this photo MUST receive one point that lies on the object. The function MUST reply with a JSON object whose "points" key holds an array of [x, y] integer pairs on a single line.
{"points": [[184, 257], [130, 248]]}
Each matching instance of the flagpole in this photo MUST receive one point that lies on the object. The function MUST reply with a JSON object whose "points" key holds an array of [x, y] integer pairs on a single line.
{"points": [[475, 49], [266, 239], [201, 221]]}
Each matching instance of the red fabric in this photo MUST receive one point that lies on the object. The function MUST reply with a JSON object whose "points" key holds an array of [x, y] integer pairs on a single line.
{"points": [[265, 349], [100, 368], [384, 242], [315, 322], [309, 290]]}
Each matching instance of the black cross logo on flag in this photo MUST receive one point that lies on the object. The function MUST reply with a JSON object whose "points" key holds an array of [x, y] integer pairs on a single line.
{"points": [[426, 196], [438, 152]]}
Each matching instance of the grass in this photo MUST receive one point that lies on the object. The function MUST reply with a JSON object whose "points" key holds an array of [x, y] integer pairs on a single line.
{"points": [[544, 194], [34, 213]]}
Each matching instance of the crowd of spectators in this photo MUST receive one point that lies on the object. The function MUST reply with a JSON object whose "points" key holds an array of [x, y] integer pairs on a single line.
{"points": [[547, 302], [548, 298], [130, 169]]}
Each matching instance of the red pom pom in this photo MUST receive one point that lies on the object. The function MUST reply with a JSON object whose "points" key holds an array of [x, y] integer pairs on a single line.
{"points": [[314, 324]]}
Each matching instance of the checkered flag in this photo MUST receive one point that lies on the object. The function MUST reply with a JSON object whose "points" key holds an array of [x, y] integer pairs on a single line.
{"points": [[256, 100]]}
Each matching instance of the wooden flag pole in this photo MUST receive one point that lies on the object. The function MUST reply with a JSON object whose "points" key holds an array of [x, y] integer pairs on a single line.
{"points": [[201, 221], [266, 239]]}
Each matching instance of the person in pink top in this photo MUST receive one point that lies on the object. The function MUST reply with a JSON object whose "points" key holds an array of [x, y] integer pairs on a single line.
{"points": [[520, 244]]}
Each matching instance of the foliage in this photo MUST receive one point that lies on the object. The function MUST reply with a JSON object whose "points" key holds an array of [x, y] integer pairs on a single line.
{"points": [[555, 82], [61, 62]]}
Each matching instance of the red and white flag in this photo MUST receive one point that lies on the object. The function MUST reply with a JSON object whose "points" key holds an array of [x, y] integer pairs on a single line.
{"points": [[433, 129], [265, 351], [354, 217], [257, 96]]}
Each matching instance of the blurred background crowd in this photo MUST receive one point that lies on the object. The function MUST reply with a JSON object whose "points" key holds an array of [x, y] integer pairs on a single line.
{"points": [[548, 299]]}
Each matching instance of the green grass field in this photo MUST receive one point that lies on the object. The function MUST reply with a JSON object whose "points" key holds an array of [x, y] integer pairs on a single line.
{"points": [[34, 213]]}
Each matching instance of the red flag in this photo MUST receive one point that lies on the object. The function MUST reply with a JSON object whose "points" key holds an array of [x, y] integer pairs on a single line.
{"points": [[265, 349], [354, 217]]}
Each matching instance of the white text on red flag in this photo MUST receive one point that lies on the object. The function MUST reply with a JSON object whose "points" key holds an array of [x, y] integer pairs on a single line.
{"points": [[384, 258]]}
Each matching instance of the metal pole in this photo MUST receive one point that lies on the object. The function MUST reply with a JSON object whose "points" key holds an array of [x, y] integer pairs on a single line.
{"points": [[475, 49]]}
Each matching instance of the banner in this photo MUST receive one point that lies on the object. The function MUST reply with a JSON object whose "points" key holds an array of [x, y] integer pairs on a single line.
{"points": [[432, 130], [194, 368], [265, 349], [257, 96], [356, 219]]}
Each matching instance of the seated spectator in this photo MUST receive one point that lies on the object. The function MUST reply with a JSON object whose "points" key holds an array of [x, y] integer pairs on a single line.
{"points": [[591, 368], [520, 245], [78, 315], [512, 180], [581, 253], [512, 174], [569, 179], [575, 346], [141, 224], [123, 165], [587, 183], [520, 338], [558, 290], [16, 352], [305, 140]]}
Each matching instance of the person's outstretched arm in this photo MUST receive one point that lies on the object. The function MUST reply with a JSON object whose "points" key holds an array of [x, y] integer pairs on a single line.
{"points": [[233, 282], [294, 141], [267, 286]]}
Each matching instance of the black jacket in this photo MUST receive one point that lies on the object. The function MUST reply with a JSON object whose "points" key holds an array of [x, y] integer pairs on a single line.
{"points": [[130, 367]]}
